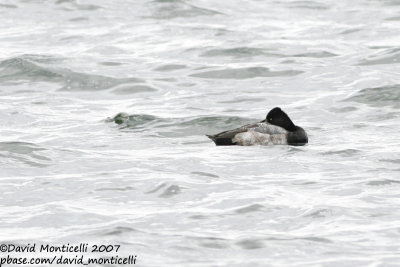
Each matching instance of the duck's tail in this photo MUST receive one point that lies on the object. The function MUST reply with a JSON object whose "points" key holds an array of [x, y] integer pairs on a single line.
{"points": [[212, 137], [221, 141]]}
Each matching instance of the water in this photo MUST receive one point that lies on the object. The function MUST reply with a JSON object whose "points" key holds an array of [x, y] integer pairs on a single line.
{"points": [[104, 108]]}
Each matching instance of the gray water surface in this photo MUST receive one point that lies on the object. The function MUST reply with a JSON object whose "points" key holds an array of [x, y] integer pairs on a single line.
{"points": [[104, 107]]}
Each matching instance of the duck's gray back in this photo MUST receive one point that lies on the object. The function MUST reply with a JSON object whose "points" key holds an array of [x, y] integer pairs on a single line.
{"points": [[266, 128]]}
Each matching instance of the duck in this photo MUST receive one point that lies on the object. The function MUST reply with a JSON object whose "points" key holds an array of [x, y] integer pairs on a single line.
{"points": [[276, 129]]}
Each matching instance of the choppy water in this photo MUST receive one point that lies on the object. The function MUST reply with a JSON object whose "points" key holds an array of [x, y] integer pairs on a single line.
{"points": [[104, 107]]}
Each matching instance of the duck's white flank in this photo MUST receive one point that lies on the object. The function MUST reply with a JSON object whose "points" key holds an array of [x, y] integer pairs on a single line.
{"points": [[253, 137]]}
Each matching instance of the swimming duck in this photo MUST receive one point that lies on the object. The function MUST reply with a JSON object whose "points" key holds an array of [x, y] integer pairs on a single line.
{"points": [[276, 129]]}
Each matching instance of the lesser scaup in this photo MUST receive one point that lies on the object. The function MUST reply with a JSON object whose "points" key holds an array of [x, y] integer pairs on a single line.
{"points": [[276, 129]]}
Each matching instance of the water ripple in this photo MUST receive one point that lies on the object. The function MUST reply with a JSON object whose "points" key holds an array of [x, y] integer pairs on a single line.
{"points": [[244, 73], [238, 52]]}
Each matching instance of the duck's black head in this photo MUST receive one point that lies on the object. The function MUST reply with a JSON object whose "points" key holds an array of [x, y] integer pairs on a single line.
{"points": [[279, 118]]}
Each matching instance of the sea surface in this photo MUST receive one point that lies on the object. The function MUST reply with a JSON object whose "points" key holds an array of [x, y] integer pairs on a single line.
{"points": [[104, 107]]}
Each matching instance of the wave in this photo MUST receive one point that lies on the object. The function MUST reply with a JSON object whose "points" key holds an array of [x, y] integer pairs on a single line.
{"points": [[379, 96], [22, 152], [8, 6], [169, 9], [71, 5], [389, 56], [245, 52], [170, 67], [33, 68], [176, 127], [308, 5], [238, 52]]}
